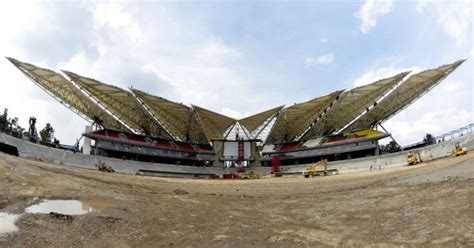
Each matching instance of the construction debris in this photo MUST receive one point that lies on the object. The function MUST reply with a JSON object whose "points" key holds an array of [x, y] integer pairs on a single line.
{"points": [[101, 166], [61, 216]]}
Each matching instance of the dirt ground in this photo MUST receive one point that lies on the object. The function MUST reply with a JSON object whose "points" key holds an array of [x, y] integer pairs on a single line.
{"points": [[431, 204]]}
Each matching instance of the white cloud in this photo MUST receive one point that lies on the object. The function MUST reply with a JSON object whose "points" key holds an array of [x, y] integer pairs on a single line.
{"points": [[323, 40], [370, 11], [212, 51], [325, 59], [472, 52], [114, 16], [451, 86], [433, 122], [133, 46], [454, 17], [381, 73], [159, 50], [158, 74], [18, 94], [233, 113]]}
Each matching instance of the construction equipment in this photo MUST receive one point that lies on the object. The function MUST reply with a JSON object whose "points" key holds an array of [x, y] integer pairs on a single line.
{"points": [[249, 175], [312, 171], [458, 150], [413, 158]]}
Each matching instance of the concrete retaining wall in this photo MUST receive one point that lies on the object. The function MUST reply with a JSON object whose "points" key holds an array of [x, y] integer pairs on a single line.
{"points": [[57, 156], [396, 159]]}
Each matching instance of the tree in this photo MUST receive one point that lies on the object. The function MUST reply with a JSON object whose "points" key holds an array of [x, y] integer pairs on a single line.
{"points": [[429, 139], [13, 128], [382, 149], [9, 125], [4, 120], [392, 147], [13, 123], [47, 133]]}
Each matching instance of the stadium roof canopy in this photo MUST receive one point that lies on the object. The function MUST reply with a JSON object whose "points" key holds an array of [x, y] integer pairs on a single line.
{"points": [[177, 118], [121, 104], [67, 94], [213, 124], [295, 119], [253, 122], [140, 112], [408, 92], [351, 104]]}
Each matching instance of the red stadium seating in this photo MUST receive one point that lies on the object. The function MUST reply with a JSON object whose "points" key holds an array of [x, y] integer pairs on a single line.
{"points": [[163, 144], [336, 138], [185, 147], [160, 143], [113, 134], [136, 139], [205, 148], [287, 147], [100, 132]]}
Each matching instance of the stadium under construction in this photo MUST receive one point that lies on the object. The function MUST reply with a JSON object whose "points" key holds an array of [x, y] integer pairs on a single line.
{"points": [[135, 125]]}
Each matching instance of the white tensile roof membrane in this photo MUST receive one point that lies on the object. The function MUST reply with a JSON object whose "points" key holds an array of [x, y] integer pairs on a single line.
{"points": [[140, 112], [213, 124], [251, 123], [122, 104], [351, 104], [293, 121], [176, 117], [405, 94], [69, 95]]}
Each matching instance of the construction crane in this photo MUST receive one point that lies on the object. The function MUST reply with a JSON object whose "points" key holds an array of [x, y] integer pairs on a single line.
{"points": [[312, 170]]}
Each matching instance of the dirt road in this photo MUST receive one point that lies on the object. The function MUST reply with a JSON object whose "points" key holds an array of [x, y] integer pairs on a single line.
{"points": [[427, 205]]}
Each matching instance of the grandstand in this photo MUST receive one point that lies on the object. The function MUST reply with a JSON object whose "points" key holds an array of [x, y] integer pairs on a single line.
{"points": [[136, 125], [129, 146]]}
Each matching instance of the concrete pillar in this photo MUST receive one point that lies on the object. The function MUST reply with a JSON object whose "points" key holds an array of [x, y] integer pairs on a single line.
{"points": [[219, 150], [255, 154], [86, 147]]}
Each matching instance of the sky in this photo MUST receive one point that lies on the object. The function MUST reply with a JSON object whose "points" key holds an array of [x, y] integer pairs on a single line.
{"points": [[239, 58]]}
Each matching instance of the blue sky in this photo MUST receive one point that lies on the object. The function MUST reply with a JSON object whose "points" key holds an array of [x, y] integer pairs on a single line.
{"points": [[241, 57]]}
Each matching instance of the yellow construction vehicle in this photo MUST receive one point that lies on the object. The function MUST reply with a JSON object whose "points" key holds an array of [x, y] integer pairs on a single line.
{"points": [[249, 175], [412, 159], [458, 150], [312, 171]]}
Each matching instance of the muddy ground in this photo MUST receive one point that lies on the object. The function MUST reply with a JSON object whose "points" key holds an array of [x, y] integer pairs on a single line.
{"points": [[425, 205]]}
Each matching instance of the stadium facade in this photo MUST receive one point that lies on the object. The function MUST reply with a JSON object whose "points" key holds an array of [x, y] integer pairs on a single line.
{"points": [[137, 125]]}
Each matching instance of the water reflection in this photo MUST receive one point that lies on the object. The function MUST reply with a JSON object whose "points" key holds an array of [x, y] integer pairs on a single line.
{"points": [[69, 207], [7, 223]]}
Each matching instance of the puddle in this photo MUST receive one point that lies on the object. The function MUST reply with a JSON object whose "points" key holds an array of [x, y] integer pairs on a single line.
{"points": [[68, 207], [7, 223], [95, 207]]}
